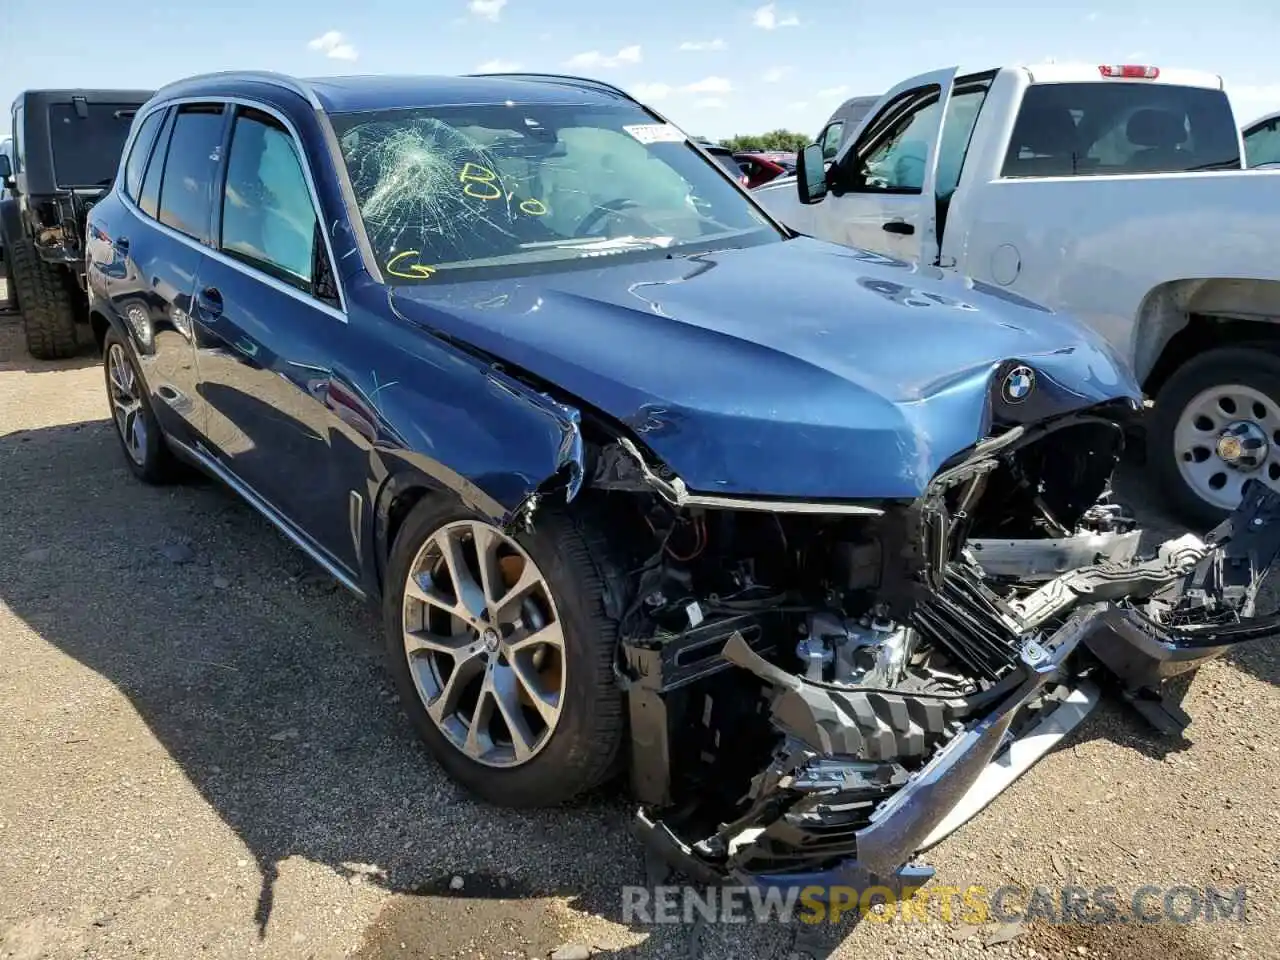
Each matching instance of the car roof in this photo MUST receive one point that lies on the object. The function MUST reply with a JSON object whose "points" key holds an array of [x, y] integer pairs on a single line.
{"points": [[354, 93]]}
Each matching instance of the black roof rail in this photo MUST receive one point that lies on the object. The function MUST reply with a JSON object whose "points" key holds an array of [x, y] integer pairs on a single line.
{"points": [[563, 78]]}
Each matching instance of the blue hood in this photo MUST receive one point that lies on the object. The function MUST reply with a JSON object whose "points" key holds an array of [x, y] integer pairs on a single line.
{"points": [[788, 369]]}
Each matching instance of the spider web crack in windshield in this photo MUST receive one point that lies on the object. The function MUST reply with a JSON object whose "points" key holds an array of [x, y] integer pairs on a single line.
{"points": [[410, 179]]}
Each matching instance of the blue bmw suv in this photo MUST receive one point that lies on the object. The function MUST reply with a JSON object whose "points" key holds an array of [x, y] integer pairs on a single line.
{"points": [[640, 479]]}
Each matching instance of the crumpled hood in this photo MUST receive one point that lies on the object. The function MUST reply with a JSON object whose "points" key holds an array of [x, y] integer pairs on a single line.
{"points": [[789, 369]]}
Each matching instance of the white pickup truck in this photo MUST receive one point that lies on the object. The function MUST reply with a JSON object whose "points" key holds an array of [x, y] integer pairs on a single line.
{"points": [[1114, 193]]}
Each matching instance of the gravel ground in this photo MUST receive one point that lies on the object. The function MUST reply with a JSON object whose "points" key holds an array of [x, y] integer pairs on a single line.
{"points": [[202, 756]]}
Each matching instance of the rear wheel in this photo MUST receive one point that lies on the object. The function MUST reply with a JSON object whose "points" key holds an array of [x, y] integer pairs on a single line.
{"points": [[503, 653], [1216, 425], [136, 428], [43, 296]]}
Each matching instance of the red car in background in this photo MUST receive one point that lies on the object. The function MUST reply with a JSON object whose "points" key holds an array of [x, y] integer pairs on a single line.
{"points": [[724, 156], [762, 167]]}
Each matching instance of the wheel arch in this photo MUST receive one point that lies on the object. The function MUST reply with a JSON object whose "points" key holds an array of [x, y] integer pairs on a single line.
{"points": [[1183, 319]]}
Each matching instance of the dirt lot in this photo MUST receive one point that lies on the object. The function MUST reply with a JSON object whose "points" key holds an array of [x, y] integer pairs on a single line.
{"points": [[202, 756]]}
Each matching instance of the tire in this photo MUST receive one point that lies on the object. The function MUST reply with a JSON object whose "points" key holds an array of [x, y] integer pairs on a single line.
{"points": [[154, 462], [583, 748], [43, 296], [1254, 367]]}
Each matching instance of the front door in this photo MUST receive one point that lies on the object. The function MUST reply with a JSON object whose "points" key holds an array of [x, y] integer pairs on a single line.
{"points": [[882, 193], [268, 327]]}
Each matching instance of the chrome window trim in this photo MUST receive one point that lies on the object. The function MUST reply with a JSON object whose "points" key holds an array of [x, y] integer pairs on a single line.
{"points": [[339, 312], [292, 84]]}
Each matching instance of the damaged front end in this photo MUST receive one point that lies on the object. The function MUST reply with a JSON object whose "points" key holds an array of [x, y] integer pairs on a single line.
{"points": [[817, 692]]}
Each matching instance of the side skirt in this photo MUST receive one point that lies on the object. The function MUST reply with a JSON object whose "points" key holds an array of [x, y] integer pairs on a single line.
{"points": [[209, 465]]}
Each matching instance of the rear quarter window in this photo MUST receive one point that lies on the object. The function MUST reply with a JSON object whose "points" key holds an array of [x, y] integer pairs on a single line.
{"points": [[1121, 127]]}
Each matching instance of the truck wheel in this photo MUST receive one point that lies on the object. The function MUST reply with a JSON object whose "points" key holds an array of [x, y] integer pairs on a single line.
{"points": [[503, 653], [1215, 425], [44, 299]]}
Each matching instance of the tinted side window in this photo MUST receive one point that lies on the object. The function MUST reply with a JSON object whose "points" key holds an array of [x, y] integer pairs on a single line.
{"points": [[149, 200], [138, 154], [957, 131], [892, 153], [1262, 144], [268, 219], [1121, 127], [189, 168], [830, 140]]}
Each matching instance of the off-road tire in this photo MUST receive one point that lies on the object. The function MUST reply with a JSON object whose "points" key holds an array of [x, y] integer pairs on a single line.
{"points": [[586, 746], [1254, 365], [44, 299], [159, 466]]}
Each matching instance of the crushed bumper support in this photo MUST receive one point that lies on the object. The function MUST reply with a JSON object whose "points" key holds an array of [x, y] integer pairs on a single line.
{"points": [[835, 807]]}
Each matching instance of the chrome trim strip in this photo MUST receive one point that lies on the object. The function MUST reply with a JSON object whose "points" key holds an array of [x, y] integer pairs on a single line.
{"points": [[1016, 759], [676, 493], [292, 84], [156, 103], [253, 499]]}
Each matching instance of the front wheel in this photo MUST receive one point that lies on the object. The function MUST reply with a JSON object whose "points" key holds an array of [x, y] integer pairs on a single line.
{"points": [[1215, 426], [503, 653]]}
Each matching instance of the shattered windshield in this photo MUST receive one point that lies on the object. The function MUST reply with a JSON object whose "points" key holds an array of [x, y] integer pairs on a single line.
{"points": [[519, 188]]}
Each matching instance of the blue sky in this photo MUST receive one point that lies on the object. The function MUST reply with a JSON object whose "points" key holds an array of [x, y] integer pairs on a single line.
{"points": [[715, 67]]}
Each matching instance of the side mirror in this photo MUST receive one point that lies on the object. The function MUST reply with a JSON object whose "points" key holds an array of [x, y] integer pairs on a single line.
{"points": [[811, 174], [6, 167]]}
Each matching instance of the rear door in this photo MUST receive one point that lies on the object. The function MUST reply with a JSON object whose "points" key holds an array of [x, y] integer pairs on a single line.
{"points": [[147, 253], [884, 178], [270, 329]]}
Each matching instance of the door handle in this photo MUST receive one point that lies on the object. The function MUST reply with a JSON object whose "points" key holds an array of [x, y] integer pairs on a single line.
{"points": [[209, 302], [899, 226]]}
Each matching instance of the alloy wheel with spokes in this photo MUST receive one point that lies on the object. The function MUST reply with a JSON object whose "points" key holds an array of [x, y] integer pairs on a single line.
{"points": [[125, 395], [484, 643]]}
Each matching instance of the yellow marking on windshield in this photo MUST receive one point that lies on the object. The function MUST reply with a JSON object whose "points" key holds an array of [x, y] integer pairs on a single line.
{"points": [[410, 271], [482, 183]]}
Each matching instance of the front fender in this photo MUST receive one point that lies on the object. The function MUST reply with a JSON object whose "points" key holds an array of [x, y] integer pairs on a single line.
{"points": [[438, 419]]}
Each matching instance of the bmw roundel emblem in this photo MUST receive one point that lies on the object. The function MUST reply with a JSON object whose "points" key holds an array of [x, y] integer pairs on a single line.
{"points": [[1018, 384]]}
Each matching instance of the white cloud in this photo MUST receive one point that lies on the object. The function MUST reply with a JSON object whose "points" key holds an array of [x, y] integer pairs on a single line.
{"points": [[696, 45], [498, 66], [830, 92], [487, 9], [651, 92], [798, 105], [768, 18], [710, 103], [774, 74], [594, 59], [710, 85], [334, 46]]}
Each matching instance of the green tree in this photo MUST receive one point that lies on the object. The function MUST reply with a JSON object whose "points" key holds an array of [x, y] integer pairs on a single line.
{"points": [[786, 140]]}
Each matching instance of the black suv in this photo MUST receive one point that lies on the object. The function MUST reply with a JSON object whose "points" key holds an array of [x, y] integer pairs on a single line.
{"points": [[66, 146]]}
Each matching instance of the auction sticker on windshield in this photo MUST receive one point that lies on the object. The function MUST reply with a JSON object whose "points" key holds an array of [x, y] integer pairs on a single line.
{"points": [[655, 132]]}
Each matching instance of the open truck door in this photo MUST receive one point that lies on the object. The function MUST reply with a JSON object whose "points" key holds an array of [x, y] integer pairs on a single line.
{"points": [[880, 193]]}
